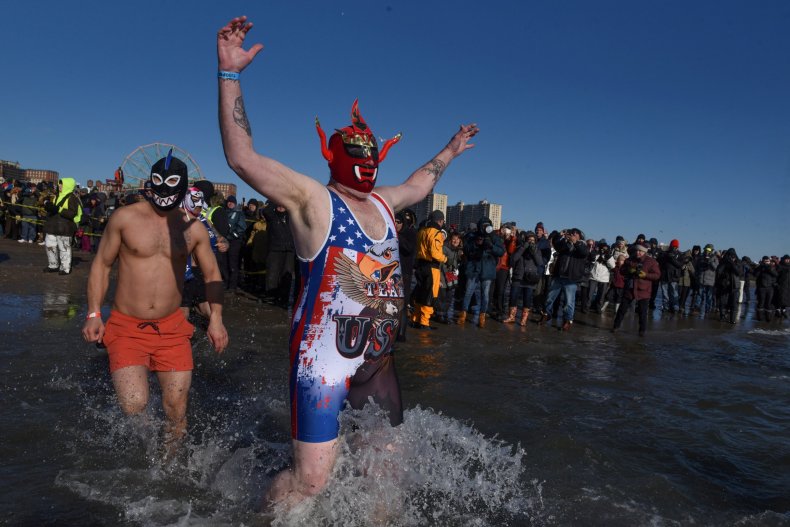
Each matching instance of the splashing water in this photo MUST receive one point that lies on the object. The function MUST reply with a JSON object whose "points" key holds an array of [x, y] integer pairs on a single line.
{"points": [[430, 470]]}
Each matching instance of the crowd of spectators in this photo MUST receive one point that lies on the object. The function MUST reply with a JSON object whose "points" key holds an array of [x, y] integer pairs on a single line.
{"points": [[507, 274], [260, 257]]}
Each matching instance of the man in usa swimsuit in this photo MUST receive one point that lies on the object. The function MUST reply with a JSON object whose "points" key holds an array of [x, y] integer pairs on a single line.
{"points": [[348, 309]]}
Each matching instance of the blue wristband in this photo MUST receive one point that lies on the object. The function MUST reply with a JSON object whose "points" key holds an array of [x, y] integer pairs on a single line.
{"points": [[229, 75]]}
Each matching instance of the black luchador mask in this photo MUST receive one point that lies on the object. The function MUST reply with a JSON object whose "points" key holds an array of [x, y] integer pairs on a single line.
{"points": [[169, 182]]}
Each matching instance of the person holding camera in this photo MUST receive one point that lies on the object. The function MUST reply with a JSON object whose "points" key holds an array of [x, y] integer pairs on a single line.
{"points": [[482, 251], [640, 271], [281, 260], [600, 276], [671, 270], [705, 266], [728, 277], [766, 276], [449, 275], [407, 247], [782, 290], [237, 227], [525, 261], [571, 259], [508, 235]]}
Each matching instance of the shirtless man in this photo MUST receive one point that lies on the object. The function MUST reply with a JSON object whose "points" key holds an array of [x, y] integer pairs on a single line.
{"points": [[146, 330], [347, 313]]}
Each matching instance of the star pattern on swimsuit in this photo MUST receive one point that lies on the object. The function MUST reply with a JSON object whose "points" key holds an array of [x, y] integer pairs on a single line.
{"points": [[345, 229]]}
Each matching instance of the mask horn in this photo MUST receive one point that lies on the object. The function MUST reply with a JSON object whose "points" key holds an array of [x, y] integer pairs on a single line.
{"points": [[356, 118], [387, 145], [169, 159], [324, 148]]}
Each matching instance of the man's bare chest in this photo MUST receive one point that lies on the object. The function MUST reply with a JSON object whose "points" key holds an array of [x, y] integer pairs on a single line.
{"points": [[167, 241]]}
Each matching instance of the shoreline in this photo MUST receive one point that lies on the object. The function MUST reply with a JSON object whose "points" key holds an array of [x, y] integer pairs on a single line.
{"points": [[30, 258]]}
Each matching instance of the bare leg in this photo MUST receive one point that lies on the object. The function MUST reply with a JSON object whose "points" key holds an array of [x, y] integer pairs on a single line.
{"points": [[175, 392], [313, 463], [131, 387]]}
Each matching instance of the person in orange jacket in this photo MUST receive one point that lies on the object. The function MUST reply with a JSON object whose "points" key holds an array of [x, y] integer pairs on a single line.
{"points": [[508, 235], [430, 256]]}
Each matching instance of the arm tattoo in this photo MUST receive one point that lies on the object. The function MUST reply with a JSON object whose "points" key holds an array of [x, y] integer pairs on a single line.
{"points": [[240, 116], [435, 168]]}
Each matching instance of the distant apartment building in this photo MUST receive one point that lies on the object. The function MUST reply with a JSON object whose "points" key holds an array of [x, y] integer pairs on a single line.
{"points": [[13, 170], [462, 215], [37, 175], [226, 189], [431, 203]]}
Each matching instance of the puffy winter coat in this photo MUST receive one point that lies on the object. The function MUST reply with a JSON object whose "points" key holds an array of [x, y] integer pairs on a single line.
{"points": [[602, 267], [766, 276], [671, 266], [783, 285], [729, 272], [65, 212], [640, 288], [571, 259], [482, 253], [706, 269], [452, 264], [510, 247], [526, 263]]}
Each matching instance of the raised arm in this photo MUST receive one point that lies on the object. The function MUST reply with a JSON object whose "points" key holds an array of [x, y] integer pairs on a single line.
{"points": [[425, 178], [269, 177]]}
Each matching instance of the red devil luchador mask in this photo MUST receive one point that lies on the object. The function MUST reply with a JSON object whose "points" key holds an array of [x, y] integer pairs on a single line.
{"points": [[353, 153]]}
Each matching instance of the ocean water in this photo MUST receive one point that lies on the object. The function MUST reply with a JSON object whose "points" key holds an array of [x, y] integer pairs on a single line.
{"points": [[503, 426]]}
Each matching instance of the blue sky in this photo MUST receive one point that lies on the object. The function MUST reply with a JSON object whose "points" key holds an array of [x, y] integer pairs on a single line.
{"points": [[669, 118]]}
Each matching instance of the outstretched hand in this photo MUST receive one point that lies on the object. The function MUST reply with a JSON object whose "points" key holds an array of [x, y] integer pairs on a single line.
{"points": [[460, 141], [230, 53]]}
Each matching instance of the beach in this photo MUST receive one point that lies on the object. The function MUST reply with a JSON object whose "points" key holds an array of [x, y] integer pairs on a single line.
{"points": [[503, 425]]}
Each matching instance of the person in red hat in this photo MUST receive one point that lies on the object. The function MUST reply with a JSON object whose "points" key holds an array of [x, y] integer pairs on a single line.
{"points": [[350, 301]]}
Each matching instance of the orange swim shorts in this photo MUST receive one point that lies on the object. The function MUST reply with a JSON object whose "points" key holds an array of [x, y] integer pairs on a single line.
{"points": [[160, 345]]}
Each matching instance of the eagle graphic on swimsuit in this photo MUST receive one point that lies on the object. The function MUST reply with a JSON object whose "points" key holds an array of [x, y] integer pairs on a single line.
{"points": [[372, 282]]}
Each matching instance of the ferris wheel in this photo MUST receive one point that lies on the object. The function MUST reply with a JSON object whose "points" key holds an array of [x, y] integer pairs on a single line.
{"points": [[137, 165]]}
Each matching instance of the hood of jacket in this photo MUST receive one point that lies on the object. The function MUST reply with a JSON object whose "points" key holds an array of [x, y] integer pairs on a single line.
{"points": [[68, 187], [482, 222]]}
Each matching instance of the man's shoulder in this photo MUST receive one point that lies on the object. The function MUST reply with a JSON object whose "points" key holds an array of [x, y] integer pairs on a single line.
{"points": [[199, 226], [131, 215]]}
